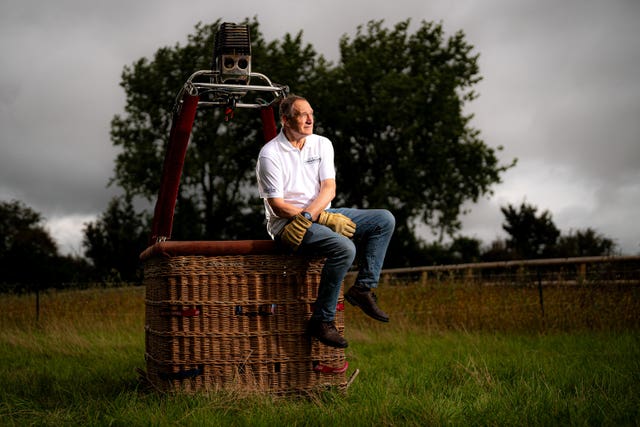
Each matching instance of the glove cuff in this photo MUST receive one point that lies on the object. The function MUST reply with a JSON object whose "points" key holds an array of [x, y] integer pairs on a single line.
{"points": [[323, 217], [301, 220]]}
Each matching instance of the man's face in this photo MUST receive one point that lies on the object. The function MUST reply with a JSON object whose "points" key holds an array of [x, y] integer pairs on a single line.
{"points": [[302, 121]]}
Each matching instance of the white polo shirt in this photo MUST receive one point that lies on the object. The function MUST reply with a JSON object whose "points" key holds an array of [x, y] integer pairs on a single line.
{"points": [[294, 175]]}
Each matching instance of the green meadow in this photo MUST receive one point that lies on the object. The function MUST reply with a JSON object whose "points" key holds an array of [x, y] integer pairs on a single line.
{"points": [[450, 356]]}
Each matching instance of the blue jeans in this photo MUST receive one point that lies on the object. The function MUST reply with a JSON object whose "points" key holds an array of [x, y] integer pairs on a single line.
{"points": [[374, 228]]}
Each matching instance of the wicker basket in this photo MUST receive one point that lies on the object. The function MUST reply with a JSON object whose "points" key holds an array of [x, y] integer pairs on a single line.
{"points": [[235, 320]]}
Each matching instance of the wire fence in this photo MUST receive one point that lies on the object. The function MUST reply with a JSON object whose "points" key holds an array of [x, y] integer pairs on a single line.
{"points": [[556, 271], [593, 293]]}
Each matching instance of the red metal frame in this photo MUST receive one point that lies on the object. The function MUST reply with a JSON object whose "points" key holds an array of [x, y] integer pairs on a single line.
{"points": [[181, 127]]}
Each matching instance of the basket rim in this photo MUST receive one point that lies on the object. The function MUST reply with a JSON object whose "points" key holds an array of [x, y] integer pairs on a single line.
{"points": [[168, 249]]}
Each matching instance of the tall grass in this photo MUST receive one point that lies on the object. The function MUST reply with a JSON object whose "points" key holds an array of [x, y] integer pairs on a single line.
{"points": [[77, 365]]}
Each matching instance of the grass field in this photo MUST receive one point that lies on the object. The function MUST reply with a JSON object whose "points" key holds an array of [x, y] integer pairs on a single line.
{"points": [[77, 366]]}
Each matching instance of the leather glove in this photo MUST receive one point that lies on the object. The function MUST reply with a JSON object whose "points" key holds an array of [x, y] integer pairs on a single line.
{"points": [[338, 223], [293, 233]]}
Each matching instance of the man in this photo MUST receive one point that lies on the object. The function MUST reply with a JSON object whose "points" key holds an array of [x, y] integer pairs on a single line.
{"points": [[296, 179]]}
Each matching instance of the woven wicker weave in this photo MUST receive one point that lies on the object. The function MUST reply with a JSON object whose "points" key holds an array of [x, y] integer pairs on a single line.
{"points": [[237, 322]]}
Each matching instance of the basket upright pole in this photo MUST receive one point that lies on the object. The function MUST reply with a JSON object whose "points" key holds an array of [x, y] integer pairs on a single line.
{"points": [[269, 130], [181, 126]]}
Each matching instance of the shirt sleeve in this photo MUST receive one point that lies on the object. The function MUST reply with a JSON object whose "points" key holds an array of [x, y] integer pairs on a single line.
{"points": [[269, 178], [327, 166]]}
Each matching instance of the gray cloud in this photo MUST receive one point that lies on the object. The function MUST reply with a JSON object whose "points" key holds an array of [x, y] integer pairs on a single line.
{"points": [[560, 92]]}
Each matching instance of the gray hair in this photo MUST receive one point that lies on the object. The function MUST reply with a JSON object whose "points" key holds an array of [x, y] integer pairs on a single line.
{"points": [[286, 105]]}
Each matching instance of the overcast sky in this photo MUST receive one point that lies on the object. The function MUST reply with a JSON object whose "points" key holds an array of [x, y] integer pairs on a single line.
{"points": [[560, 92]]}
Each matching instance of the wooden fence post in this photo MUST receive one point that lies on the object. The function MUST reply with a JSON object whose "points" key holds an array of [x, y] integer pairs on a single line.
{"points": [[540, 295], [582, 273], [423, 278]]}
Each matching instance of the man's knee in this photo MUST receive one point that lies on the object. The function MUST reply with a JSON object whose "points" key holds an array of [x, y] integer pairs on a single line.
{"points": [[346, 248], [387, 220]]}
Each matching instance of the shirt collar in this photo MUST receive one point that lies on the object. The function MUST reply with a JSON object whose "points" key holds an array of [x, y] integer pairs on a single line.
{"points": [[286, 145]]}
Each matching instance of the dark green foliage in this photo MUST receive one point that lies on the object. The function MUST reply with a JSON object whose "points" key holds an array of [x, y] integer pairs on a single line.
{"points": [[536, 236], [115, 240], [27, 251], [29, 257], [531, 235], [393, 107], [217, 198], [465, 249], [587, 242]]}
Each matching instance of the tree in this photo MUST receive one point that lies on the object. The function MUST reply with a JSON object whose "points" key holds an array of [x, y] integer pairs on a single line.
{"points": [[497, 250], [115, 240], [465, 249], [393, 107], [28, 253], [531, 235], [587, 242], [217, 198]]}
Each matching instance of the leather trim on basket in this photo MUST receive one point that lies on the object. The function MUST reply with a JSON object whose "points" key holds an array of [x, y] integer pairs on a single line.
{"points": [[170, 249]]}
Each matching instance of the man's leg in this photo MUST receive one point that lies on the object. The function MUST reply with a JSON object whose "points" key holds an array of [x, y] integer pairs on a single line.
{"points": [[374, 228], [340, 252]]}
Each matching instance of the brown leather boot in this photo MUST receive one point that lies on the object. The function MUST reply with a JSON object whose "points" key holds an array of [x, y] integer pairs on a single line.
{"points": [[367, 301], [327, 333]]}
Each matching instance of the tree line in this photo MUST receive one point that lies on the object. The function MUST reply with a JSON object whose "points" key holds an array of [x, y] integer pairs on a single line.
{"points": [[393, 104], [30, 258]]}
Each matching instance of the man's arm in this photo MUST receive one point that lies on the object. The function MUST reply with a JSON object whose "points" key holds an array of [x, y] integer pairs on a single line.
{"points": [[326, 195]]}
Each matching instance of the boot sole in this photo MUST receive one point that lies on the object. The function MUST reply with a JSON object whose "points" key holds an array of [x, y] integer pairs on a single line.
{"points": [[327, 342], [333, 344], [354, 303], [330, 343]]}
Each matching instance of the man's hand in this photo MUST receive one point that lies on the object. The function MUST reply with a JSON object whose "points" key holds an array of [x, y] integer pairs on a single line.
{"points": [[338, 223], [293, 233]]}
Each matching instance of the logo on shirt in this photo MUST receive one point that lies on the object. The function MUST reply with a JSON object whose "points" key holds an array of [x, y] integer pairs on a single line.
{"points": [[312, 160]]}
